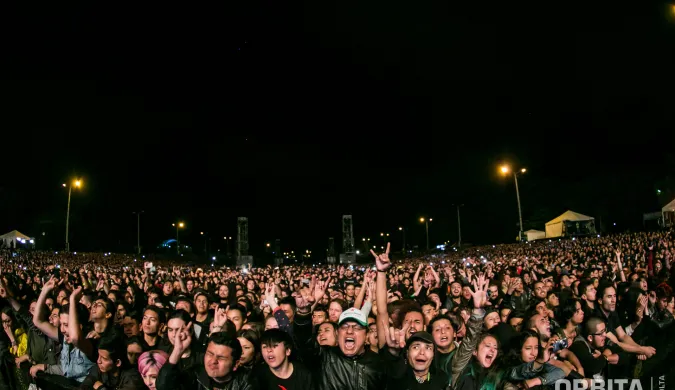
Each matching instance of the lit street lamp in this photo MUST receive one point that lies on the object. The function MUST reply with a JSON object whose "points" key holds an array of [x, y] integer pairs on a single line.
{"points": [[426, 222], [178, 225], [505, 170], [76, 183]]}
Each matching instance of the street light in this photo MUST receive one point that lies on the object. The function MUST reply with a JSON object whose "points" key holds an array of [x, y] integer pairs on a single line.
{"points": [[78, 184], [426, 223], [138, 230], [459, 226], [505, 169], [178, 225]]}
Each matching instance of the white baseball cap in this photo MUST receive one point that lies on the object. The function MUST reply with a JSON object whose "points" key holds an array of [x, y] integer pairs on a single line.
{"points": [[353, 314]]}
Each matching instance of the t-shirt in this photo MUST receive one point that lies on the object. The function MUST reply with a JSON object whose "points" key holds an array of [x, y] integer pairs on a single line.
{"points": [[160, 343], [300, 379], [591, 365], [438, 381], [613, 322]]}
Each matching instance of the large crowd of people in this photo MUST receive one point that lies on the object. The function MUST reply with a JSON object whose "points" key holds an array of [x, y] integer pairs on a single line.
{"points": [[531, 315]]}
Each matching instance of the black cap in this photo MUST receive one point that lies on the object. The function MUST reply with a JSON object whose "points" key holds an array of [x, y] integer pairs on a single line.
{"points": [[420, 336]]}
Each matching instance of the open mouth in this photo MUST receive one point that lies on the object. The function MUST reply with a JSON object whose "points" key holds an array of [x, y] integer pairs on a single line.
{"points": [[420, 360], [444, 338], [489, 358], [350, 343], [270, 358], [322, 339]]}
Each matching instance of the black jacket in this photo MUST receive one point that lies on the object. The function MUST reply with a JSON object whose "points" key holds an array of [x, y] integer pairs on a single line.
{"points": [[41, 348], [195, 378], [364, 372], [128, 379]]}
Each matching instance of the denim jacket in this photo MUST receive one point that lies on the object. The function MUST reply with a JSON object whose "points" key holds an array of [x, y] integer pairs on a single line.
{"points": [[74, 363], [548, 373]]}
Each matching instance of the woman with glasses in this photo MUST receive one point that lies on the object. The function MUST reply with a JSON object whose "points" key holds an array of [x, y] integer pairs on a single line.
{"points": [[18, 339]]}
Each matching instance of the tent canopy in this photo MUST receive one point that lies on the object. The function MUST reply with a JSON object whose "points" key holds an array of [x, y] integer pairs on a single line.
{"points": [[8, 240], [14, 235], [669, 207], [554, 227]]}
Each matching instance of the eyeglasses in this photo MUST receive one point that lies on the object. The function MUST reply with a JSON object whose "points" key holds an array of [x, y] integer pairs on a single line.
{"points": [[354, 327], [601, 333]]}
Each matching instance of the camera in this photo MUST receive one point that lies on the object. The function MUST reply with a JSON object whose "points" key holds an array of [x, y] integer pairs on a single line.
{"points": [[559, 345]]}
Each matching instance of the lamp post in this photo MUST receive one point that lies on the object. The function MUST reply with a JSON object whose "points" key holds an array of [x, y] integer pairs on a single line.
{"points": [[138, 230], [459, 226], [426, 223], [76, 183], [178, 225], [505, 169]]}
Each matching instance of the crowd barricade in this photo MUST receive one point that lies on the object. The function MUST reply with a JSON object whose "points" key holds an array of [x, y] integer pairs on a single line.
{"points": [[55, 382]]}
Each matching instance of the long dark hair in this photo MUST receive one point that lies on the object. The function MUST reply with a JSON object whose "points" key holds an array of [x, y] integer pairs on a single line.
{"points": [[7, 310], [493, 375], [512, 356], [253, 338]]}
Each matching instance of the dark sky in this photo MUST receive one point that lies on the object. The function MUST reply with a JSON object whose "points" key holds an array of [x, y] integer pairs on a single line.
{"points": [[295, 113]]}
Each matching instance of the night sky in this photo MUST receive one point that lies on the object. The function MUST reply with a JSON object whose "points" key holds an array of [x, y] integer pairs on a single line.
{"points": [[293, 114]]}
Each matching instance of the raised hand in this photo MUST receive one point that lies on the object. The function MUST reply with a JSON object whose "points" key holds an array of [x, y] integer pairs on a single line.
{"points": [[76, 294], [50, 285], [269, 293], [320, 289], [396, 337], [312, 283], [370, 293], [183, 338], [220, 317], [479, 292], [382, 262]]}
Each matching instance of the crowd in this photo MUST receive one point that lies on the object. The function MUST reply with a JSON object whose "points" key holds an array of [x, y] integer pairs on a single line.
{"points": [[493, 317]]}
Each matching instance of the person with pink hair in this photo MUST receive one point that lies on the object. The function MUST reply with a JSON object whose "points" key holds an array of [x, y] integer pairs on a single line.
{"points": [[149, 364]]}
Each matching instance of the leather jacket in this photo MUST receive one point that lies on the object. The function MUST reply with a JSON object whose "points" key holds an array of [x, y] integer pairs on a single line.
{"points": [[195, 378], [364, 372]]}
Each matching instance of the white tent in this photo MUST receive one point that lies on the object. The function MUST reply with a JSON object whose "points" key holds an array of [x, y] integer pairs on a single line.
{"points": [[668, 213], [669, 207], [556, 226], [534, 235], [8, 240]]}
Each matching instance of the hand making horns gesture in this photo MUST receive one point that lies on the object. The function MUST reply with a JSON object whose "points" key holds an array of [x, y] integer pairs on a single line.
{"points": [[382, 262]]}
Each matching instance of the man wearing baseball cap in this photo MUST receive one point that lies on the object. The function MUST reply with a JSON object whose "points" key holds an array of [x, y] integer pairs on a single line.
{"points": [[350, 365]]}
